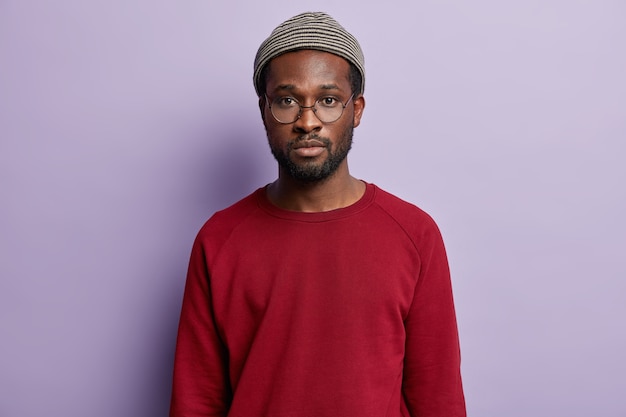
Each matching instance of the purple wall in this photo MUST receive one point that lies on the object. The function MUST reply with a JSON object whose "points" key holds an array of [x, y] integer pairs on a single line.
{"points": [[124, 125]]}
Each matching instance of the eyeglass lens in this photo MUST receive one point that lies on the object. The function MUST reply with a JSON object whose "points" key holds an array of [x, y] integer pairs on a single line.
{"points": [[288, 109]]}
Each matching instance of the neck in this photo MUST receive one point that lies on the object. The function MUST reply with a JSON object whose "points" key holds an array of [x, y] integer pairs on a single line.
{"points": [[335, 192]]}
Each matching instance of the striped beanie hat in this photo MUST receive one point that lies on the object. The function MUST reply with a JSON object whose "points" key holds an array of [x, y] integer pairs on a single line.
{"points": [[309, 30]]}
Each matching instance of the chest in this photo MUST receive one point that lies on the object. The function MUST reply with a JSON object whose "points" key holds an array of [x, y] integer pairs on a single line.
{"points": [[346, 270]]}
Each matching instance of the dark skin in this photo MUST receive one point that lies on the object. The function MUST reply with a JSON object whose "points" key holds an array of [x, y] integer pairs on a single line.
{"points": [[308, 75]]}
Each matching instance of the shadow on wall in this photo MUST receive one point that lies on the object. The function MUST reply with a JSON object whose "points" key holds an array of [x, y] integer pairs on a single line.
{"points": [[158, 377], [228, 161], [234, 161]]}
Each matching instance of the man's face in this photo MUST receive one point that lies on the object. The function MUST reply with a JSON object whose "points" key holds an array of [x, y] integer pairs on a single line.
{"points": [[309, 150]]}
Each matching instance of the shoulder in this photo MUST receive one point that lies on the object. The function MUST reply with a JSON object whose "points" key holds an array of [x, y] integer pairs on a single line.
{"points": [[417, 223], [400, 209], [220, 225]]}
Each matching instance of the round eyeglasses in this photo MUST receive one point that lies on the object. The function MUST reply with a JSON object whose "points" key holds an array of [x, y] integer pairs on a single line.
{"points": [[287, 110]]}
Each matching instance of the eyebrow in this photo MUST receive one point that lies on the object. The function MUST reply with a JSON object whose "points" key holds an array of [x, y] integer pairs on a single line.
{"points": [[291, 87], [285, 87]]}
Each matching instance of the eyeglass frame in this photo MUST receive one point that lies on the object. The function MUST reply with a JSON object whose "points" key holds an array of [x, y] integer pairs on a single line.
{"points": [[313, 108]]}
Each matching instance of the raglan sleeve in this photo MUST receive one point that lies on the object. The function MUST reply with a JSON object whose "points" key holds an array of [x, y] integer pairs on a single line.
{"points": [[432, 384], [200, 384]]}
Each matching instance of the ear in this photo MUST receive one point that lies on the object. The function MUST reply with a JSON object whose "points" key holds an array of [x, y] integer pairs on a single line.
{"points": [[262, 106], [359, 106]]}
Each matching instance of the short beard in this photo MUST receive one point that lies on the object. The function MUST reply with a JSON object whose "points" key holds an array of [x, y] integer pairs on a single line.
{"points": [[310, 172]]}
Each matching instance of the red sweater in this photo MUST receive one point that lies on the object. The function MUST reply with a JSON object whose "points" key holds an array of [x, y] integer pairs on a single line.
{"points": [[346, 313]]}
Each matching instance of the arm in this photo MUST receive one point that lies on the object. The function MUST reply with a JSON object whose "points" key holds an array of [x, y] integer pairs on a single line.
{"points": [[432, 381], [201, 385]]}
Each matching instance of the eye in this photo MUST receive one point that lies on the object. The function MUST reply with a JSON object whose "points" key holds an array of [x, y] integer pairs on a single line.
{"points": [[328, 102], [285, 102]]}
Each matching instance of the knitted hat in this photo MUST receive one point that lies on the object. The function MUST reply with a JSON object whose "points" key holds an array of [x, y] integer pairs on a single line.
{"points": [[309, 30]]}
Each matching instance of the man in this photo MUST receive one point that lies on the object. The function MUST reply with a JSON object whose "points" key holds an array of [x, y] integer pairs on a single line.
{"points": [[319, 295]]}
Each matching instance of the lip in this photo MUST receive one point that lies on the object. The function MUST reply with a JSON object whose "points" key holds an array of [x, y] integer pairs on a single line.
{"points": [[308, 148], [311, 143]]}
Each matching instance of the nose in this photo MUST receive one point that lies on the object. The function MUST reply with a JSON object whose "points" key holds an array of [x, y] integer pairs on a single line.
{"points": [[308, 121]]}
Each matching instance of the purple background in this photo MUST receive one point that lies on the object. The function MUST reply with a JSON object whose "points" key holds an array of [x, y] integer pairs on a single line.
{"points": [[125, 124]]}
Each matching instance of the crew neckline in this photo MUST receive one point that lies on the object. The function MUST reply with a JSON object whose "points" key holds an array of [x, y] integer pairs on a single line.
{"points": [[320, 216]]}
